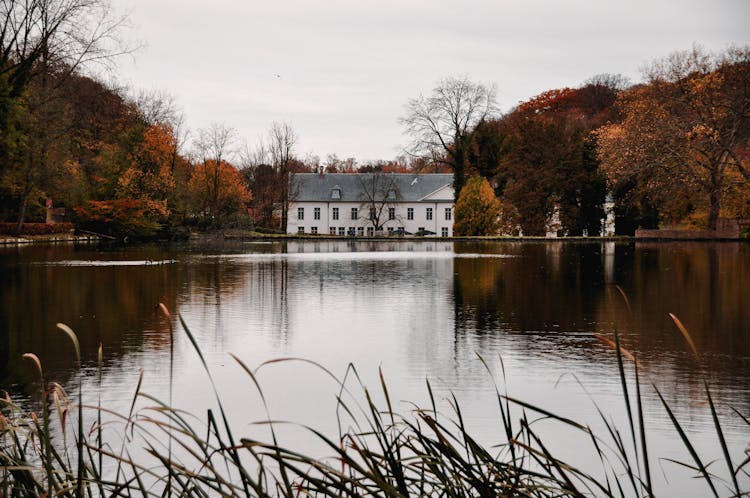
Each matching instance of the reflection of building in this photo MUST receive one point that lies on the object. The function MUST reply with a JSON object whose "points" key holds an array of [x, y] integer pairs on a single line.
{"points": [[369, 203]]}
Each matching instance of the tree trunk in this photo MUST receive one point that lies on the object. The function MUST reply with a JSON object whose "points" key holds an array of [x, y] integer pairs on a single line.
{"points": [[22, 212], [714, 208], [714, 196]]}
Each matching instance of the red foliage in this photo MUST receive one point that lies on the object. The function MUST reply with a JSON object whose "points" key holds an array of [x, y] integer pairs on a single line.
{"points": [[551, 100]]}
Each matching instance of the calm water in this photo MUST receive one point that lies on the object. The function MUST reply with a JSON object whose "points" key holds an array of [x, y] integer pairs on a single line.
{"points": [[416, 309]]}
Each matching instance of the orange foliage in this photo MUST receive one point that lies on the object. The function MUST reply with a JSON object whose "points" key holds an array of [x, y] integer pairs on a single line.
{"points": [[139, 217], [218, 189], [149, 176], [477, 209]]}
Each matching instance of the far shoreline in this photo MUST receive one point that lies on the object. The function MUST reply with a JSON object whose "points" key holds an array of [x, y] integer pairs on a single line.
{"points": [[249, 236]]}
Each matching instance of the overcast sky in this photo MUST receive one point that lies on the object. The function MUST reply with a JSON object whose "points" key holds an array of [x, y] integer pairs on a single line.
{"points": [[341, 71]]}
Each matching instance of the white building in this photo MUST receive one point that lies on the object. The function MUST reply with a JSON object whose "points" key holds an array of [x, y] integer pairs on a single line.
{"points": [[366, 204]]}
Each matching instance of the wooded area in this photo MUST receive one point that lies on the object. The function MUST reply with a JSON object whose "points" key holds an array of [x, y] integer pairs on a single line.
{"points": [[673, 150]]}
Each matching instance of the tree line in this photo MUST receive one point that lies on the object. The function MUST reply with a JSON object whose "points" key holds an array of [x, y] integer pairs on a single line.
{"points": [[673, 149]]}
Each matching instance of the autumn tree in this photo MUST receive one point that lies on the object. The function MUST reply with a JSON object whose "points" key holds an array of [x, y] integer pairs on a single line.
{"points": [[218, 189], [487, 148], [547, 158], [126, 169], [42, 44], [212, 147], [442, 125], [681, 140], [149, 177], [477, 209]]}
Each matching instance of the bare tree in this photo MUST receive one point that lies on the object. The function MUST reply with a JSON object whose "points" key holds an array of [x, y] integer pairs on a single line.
{"points": [[252, 157], [212, 147], [45, 41], [617, 82], [65, 34], [160, 107], [380, 192], [282, 140], [442, 125]]}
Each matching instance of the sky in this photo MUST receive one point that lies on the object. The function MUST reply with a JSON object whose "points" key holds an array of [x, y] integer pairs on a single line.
{"points": [[341, 71]]}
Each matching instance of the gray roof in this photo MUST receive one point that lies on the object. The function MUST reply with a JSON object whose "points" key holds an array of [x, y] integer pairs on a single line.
{"points": [[354, 187]]}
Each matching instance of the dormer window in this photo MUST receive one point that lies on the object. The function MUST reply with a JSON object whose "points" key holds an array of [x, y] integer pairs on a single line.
{"points": [[336, 193], [391, 194]]}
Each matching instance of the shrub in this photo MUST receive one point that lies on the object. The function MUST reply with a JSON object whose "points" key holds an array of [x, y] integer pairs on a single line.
{"points": [[477, 209], [270, 231], [35, 228]]}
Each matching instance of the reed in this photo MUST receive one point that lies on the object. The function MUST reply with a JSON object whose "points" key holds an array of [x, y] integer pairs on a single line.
{"points": [[377, 450]]}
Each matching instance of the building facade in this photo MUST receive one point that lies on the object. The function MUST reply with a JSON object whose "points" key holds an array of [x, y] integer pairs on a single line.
{"points": [[367, 204]]}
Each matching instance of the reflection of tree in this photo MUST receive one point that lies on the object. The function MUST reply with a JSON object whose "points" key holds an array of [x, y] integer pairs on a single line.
{"points": [[703, 284], [547, 288], [115, 305], [552, 297]]}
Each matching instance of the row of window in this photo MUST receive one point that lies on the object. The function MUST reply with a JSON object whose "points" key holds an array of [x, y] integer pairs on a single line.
{"points": [[360, 231], [373, 213]]}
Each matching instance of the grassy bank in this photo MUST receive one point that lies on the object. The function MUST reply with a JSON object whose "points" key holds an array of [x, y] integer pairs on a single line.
{"points": [[68, 449]]}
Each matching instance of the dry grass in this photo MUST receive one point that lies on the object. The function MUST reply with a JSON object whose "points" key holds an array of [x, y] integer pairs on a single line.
{"points": [[382, 453]]}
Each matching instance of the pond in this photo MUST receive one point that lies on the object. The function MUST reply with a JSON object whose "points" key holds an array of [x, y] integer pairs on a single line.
{"points": [[416, 310]]}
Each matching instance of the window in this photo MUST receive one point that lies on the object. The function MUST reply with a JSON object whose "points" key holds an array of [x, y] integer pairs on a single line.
{"points": [[372, 213], [390, 230], [391, 194], [370, 231], [448, 214], [444, 231], [335, 213], [342, 231], [355, 213], [316, 213], [300, 213], [429, 213], [332, 230], [300, 229], [420, 229], [314, 230], [409, 213], [391, 213], [351, 232], [360, 231], [336, 193]]}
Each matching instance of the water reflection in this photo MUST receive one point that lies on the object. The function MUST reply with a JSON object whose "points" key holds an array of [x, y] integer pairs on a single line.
{"points": [[415, 308]]}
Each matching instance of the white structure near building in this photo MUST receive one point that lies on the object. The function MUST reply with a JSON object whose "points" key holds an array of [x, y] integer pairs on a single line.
{"points": [[367, 204]]}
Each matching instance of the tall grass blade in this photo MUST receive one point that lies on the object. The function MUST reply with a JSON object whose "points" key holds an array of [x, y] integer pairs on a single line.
{"points": [[628, 407], [642, 429], [686, 335], [686, 441], [624, 298], [722, 440], [232, 452], [166, 313], [46, 443], [79, 437], [100, 365]]}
